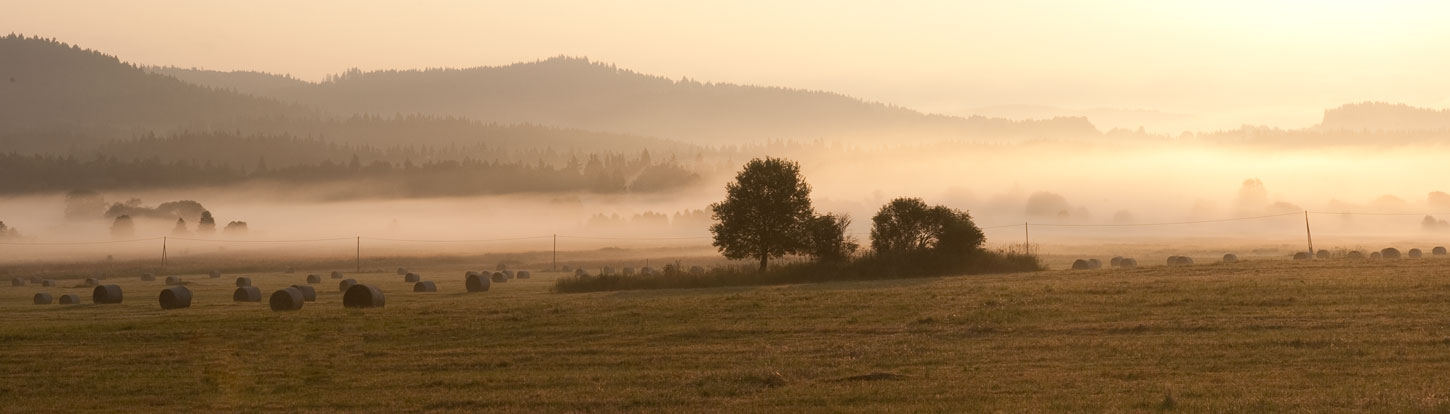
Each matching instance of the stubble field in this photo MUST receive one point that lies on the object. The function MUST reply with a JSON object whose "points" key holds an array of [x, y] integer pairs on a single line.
{"points": [[1258, 336]]}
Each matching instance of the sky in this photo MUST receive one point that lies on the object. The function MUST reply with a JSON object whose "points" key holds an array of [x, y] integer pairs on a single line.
{"points": [[1224, 62]]}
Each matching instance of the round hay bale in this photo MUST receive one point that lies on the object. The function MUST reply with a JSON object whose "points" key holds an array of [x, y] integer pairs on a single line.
{"points": [[1438, 251], [363, 296], [1230, 258], [215, 274], [108, 294], [1390, 253], [1096, 264], [1354, 255], [175, 297], [289, 299], [247, 294], [475, 282], [43, 299], [91, 281], [522, 274], [607, 271], [1416, 253], [1180, 260], [148, 278], [47, 283], [580, 272], [308, 293], [1322, 254], [1128, 263], [244, 281], [345, 283], [402, 271], [336, 275], [173, 281], [1375, 256], [1081, 264], [509, 274], [501, 266], [412, 278], [1302, 256], [628, 271], [425, 286], [1172, 260], [17, 282], [498, 277], [1115, 261], [314, 279], [70, 299]]}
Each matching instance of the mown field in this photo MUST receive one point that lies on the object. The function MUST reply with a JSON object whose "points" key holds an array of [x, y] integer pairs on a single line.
{"points": [[1260, 336]]}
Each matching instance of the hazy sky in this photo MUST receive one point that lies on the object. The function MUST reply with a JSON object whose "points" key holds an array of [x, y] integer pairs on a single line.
{"points": [[1256, 61]]}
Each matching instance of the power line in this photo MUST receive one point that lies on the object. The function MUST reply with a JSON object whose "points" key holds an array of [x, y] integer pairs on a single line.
{"points": [[635, 238], [76, 243], [454, 240], [1347, 213], [1167, 223], [261, 241]]}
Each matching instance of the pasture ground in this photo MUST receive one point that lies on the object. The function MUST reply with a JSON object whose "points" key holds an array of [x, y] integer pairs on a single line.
{"points": [[1266, 335]]}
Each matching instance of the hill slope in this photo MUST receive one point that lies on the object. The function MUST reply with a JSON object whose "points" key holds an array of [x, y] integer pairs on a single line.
{"points": [[47, 86], [56, 98], [577, 93], [1381, 116]]}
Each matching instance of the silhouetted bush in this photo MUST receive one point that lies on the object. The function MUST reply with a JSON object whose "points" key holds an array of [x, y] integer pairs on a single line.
{"points": [[871, 266]]}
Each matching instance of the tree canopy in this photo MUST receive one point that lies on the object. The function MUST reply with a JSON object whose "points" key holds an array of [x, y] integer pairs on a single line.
{"points": [[908, 224], [765, 212]]}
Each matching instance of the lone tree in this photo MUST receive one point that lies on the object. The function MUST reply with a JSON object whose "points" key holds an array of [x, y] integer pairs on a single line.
{"points": [[180, 229], [908, 225], [207, 225], [765, 212], [123, 227]]}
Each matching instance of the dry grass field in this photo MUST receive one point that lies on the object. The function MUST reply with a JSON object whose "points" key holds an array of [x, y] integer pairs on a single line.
{"points": [[1259, 336]]}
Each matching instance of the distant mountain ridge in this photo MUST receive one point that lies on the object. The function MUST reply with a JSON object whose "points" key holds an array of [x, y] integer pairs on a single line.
{"points": [[577, 93], [48, 86], [1385, 117], [59, 98]]}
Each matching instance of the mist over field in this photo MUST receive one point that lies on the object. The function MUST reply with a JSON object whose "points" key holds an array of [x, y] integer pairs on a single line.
{"points": [[562, 206]]}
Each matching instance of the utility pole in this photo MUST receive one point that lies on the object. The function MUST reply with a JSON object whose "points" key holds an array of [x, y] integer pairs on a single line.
{"points": [[1027, 239], [556, 253], [163, 254], [359, 254], [1308, 234]]}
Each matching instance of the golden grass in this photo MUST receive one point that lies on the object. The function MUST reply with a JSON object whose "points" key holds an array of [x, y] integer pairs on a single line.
{"points": [[1258, 336]]}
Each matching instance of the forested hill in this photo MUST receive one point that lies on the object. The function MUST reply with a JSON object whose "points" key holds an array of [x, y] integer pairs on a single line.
{"points": [[51, 87], [1385, 117], [59, 99], [578, 93]]}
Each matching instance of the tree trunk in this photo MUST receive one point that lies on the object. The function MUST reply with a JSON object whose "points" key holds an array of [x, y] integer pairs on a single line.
{"points": [[764, 260]]}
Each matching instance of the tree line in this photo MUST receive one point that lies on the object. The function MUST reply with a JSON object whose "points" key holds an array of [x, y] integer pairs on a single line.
{"points": [[611, 173]]}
